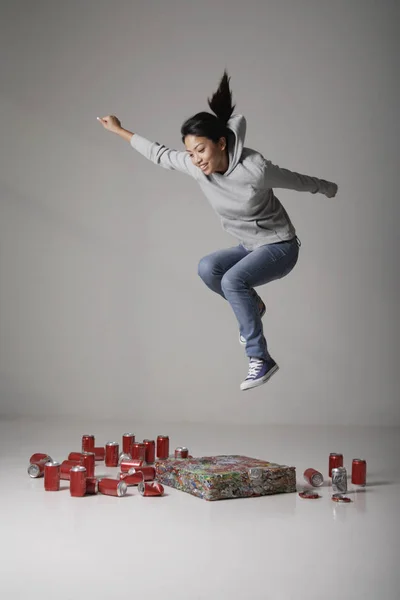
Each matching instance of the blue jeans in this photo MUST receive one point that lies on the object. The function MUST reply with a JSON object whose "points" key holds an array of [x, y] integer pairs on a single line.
{"points": [[234, 272]]}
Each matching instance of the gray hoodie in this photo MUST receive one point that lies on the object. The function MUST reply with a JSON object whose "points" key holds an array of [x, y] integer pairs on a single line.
{"points": [[243, 196]]}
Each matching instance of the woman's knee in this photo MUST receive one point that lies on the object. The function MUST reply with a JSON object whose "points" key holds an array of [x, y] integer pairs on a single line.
{"points": [[231, 282], [206, 269]]}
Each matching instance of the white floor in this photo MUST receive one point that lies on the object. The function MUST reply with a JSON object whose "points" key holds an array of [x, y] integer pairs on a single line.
{"points": [[181, 547]]}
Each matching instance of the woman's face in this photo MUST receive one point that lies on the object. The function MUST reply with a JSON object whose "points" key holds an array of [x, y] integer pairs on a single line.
{"points": [[207, 155]]}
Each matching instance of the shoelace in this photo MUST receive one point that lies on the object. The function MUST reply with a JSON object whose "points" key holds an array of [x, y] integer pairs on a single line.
{"points": [[254, 367]]}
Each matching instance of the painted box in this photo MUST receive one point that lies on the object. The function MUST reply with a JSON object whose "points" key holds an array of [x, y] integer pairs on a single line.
{"points": [[226, 476]]}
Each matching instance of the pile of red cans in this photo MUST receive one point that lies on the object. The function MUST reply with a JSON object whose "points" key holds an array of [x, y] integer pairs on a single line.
{"points": [[338, 476], [136, 463]]}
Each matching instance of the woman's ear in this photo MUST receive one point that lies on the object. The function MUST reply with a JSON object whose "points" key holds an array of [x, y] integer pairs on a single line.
{"points": [[222, 143]]}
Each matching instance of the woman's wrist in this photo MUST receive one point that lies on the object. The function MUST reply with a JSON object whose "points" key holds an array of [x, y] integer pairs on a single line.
{"points": [[125, 134]]}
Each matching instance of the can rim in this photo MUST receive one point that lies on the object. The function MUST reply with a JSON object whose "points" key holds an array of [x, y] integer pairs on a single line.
{"points": [[309, 495], [122, 488], [341, 498], [33, 470]]}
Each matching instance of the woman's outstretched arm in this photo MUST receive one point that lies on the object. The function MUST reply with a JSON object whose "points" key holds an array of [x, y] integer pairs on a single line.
{"points": [[157, 153], [278, 177]]}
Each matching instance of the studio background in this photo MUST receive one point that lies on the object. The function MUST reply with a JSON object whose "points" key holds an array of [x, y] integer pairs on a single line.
{"points": [[102, 312]]}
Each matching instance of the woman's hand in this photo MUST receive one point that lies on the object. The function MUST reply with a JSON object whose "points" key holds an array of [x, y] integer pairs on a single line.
{"points": [[333, 190], [111, 123]]}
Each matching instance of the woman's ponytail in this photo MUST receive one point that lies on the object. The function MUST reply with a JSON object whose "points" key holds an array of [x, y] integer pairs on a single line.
{"points": [[221, 101], [205, 124]]}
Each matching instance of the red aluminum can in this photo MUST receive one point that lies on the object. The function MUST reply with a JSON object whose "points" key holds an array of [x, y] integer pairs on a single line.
{"points": [[112, 487], [313, 477], [88, 461], [39, 456], [139, 451], [92, 485], [88, 443], [52, 476], [75, 456], [128, 439], [359, 471], [335, 461], [112, 454], [181, 452], [132, 463], [150, 453], [65, 468], [77, 485], [162, 447], [150, 489], [149, 473], [36, 469], [131, 478], [99, 453], [122, 457]]}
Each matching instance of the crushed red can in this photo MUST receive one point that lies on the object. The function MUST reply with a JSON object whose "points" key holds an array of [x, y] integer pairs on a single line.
{"points": [[66, 467], [123, 456], [77, 481], [88, 442], [309, 495], [181, 452], [52, 476], [99, 452], [335, 461], [36, 468], [131, 478], [132, 463], [88, 461], [148, 473], [359, 472], [150, 489], [112, 454], [92, 485], [162, 447], [150, 453], [340, 498], [139, 451], [313, 477], [128, 439], [112, 487], [339, 480]]}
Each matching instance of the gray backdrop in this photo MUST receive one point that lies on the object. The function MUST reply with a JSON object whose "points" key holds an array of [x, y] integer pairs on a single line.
{"points": [[101, 308]]}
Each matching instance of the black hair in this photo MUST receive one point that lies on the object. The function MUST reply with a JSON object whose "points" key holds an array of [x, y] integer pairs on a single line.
{"points": [[205, 124]]}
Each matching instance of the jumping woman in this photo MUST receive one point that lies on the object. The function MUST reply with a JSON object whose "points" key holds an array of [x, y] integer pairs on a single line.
{"points": [[239, 184]]}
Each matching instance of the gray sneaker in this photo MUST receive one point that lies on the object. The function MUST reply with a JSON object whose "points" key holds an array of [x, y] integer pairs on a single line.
{"points": [[262, 309]]}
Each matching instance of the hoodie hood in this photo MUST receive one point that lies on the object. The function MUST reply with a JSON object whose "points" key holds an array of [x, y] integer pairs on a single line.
{"points": [[237, 126]]}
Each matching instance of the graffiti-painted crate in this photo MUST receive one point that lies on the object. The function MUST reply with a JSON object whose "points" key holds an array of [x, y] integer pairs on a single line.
{"points": [[226, 476]]}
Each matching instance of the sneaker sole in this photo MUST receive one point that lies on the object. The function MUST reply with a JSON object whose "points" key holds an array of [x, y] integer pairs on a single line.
{"points": [[248, 385], [242, 342]]}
